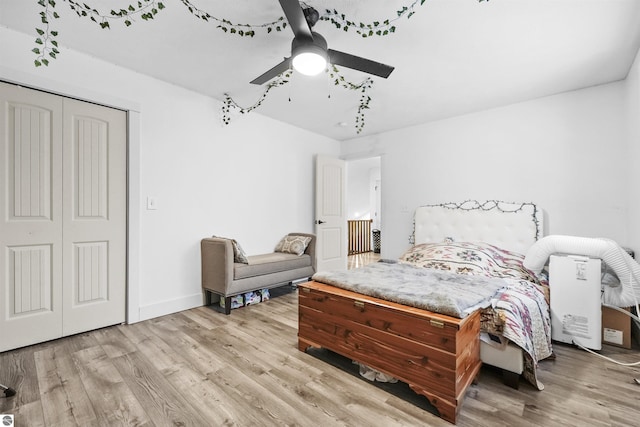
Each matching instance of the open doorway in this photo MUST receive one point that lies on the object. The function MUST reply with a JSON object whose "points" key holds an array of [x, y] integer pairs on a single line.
{"points": [[364, 195]]}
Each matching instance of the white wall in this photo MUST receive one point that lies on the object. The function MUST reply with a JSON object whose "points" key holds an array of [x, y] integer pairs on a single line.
{"points": [[633, 162], [252, 180], [567, 153], [361, 176]]}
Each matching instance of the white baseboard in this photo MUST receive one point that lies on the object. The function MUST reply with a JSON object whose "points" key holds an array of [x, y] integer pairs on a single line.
{"points": [[170, 306]]}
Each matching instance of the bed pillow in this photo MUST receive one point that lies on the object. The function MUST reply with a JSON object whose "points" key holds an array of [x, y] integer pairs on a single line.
{"points": [[293, 244], [238, 253], [469, 258]]}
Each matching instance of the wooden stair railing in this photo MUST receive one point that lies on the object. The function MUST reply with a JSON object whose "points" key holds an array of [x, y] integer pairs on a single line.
{"points": [[359, 235]]}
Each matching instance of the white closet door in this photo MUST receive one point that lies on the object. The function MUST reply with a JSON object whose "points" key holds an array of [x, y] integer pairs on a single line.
{"points": [[62, 216], [30, 217], [94, 216]]}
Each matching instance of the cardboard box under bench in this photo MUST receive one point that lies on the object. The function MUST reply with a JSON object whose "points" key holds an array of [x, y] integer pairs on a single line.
{"points": [[438, 356]]}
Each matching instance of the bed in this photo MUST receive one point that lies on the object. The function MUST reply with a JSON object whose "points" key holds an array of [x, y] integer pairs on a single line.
{"points": [[439, 355]]}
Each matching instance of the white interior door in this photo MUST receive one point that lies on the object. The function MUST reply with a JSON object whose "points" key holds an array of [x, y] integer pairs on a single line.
{"points": [[331, 215], [62, 216], [30, 217], [94, 221]]}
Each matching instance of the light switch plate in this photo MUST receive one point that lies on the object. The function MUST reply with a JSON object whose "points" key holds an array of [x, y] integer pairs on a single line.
{"points": [[152, 203]]}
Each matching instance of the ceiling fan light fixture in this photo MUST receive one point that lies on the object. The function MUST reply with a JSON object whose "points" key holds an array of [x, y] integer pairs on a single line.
{"points": [[310, 54], [309, 59]]}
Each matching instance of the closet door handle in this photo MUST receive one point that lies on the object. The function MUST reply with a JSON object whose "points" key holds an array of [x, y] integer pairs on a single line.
{"points": [[320, 221]]}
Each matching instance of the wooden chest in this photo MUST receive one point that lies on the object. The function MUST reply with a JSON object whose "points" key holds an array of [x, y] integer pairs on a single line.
{"points": [[437, 355]]}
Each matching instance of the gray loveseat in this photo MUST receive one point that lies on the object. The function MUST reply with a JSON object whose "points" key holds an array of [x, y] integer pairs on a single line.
{"points": [[223, 277]]}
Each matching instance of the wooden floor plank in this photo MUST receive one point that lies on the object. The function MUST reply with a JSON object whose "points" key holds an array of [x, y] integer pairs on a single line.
{"points": [[57, 405], [29, 414], [207, 396], [163, 404], [112, 400], [17, 371], [203, 356], [113, 342]]}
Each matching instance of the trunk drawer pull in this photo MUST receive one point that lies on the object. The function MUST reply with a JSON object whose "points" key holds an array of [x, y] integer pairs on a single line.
{"points": [[436, 323]]}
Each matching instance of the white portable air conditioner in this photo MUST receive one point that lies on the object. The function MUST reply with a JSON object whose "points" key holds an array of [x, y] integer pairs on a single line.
{"points": [[576, 308]]}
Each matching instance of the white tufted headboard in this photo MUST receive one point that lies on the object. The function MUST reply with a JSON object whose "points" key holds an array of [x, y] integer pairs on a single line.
{"points": [[511, 226]]}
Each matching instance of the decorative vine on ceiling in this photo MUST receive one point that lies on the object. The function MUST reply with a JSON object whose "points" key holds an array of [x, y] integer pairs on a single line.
{"points": [[363, 88], [46, 41], [148, 9], [230, 104]]}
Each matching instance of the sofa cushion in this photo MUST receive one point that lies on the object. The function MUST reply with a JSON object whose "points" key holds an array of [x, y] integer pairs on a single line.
{"points": [[292, 244], [269, 263]]}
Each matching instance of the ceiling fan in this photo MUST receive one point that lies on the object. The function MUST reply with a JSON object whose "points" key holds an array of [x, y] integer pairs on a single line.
{"points": [[309, 52]]}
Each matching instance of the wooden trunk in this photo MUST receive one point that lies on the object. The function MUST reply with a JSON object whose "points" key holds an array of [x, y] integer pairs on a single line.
{"points": [[437, 355]]}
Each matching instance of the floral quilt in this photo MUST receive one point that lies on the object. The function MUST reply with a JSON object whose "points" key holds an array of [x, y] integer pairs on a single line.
{"points": [[519, 313]]}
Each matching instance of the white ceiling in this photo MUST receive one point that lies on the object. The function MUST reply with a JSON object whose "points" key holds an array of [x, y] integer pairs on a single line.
{"points": [[452, 57]]}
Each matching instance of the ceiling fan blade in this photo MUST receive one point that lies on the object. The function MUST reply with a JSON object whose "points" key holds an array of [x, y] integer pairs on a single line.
{"points": [[360, 64], [295, 16], [278, 69]]}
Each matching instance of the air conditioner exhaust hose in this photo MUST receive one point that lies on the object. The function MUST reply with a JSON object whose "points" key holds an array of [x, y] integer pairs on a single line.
{"points": [[625, 267]]}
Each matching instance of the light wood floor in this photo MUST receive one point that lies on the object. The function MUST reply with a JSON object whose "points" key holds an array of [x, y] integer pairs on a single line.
{"points": [[202, 368], [360, 260]]}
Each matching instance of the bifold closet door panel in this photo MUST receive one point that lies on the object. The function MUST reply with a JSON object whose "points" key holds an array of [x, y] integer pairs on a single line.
{"points": [[94, 219], [63, 211], [30, 216]]}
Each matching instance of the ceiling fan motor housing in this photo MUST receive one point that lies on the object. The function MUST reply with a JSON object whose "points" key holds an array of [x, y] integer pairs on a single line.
{"points": [[317, 44], [309, 56]]}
